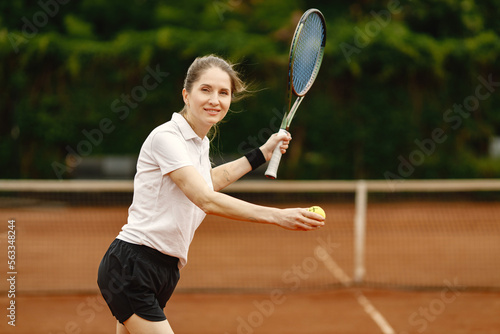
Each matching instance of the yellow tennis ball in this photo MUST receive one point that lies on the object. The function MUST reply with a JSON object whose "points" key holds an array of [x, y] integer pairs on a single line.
{"points": [[317, 209]]}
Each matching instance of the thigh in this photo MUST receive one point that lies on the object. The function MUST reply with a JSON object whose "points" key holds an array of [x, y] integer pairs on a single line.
{"points": [[133, 281], [138, 325], [121, 329], [152, 287]]}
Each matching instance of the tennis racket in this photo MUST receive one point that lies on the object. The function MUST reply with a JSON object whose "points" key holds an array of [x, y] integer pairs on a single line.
{"points": [[306, 54]]}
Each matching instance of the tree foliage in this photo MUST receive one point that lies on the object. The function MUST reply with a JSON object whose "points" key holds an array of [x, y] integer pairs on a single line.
{"points": [[407, 89]]}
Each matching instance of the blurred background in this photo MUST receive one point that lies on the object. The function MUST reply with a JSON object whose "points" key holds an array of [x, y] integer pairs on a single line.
{"points": [[407, 89]]}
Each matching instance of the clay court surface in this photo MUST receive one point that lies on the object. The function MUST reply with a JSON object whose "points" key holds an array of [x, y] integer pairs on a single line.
{"points": [[320, 312], [426, 272]]}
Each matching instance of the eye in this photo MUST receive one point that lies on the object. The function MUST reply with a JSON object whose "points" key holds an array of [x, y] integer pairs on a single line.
{"points": [[224, 92], [205, 89]]}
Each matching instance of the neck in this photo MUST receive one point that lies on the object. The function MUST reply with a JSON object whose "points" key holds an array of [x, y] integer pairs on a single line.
{"points": [[199, 129]]}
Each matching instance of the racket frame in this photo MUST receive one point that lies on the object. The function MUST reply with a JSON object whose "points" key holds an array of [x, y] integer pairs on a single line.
{"points": [[271, 171]]}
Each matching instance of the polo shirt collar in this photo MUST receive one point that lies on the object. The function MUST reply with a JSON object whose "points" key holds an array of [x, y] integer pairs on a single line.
{"points": [[186, 129]]}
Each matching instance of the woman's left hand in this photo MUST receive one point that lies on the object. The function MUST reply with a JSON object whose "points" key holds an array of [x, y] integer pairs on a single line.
{"points": [[268, 148]]}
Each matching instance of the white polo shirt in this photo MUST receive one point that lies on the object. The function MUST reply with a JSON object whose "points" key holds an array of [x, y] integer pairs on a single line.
{"points": [[161, 216]]}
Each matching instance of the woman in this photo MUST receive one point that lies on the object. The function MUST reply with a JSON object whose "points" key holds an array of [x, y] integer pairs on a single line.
{"points": [[174, 188]]}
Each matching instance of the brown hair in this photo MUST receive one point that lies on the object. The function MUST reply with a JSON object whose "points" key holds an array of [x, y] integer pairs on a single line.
{"points": [[200, 65]]}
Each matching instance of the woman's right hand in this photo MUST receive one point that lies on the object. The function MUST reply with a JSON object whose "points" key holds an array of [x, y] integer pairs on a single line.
{"points": [[299, 219]]}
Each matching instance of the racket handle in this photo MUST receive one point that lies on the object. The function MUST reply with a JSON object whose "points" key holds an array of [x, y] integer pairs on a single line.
{"points": [[272, 168]]}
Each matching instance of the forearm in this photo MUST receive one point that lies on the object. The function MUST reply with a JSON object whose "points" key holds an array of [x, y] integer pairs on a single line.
{"points": [[292, 219], [223, 205], [225, 174], [212, 202]]}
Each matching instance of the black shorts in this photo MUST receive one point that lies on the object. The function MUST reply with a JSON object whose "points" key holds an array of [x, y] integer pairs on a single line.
{"points": [[137, 279]]}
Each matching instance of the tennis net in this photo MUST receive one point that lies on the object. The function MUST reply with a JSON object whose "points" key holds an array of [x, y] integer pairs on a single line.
{"points": [[412, 234]]}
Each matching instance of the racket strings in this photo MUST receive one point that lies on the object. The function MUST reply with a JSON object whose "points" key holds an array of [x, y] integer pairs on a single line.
{"points": [[308, 50]]}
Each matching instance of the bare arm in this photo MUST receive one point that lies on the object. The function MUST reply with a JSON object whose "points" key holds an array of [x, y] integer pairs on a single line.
{"points": [[225, 174], [211, 202]]}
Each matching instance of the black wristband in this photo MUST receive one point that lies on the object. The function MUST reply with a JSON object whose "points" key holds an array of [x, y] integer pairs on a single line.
{"points": [[255, 158]]}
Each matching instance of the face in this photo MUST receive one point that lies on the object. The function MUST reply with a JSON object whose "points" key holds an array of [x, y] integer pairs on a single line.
{"points": [[209, 99]]}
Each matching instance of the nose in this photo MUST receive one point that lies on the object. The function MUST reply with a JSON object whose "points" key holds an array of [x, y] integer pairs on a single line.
{"points": [[214, 99]]}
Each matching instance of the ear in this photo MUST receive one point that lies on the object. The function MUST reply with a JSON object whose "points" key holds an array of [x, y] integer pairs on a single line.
{"points": [[185, 96]]}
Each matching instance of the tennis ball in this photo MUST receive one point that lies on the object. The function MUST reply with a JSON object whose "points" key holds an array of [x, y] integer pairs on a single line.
{"points": [[317, 209]]}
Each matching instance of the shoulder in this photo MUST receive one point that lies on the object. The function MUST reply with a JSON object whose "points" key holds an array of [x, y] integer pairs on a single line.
{"points": [[165, 137], [165, 131], [169, 126]]}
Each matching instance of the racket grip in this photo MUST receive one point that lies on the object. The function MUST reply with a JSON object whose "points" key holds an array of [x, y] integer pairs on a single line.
{"points": [[272, 168]]}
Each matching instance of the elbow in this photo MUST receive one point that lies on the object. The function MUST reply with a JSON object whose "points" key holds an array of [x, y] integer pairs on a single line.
{"points": [[207, 204], [206, 207], [217, 187]]}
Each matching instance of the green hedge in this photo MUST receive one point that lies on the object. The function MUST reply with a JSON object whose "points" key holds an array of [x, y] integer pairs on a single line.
{"points": [[79, 77]]}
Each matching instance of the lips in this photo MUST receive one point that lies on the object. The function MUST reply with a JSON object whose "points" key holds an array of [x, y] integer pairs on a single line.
{"points": [[211, 111]]}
